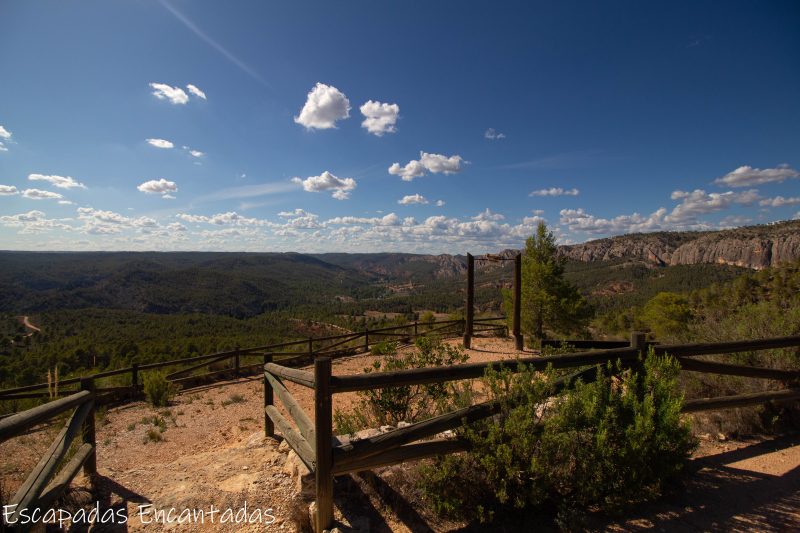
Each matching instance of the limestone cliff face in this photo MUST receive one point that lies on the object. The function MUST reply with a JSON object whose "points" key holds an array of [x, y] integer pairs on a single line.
{"points": [[754, 247]]}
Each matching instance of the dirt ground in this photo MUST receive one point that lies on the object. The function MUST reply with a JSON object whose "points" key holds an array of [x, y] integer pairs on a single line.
{"points": [[213, 452]]}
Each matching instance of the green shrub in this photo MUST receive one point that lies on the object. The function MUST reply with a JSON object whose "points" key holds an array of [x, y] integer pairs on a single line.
{"points": [[384, 348], [157, 389], [610, 443], [391, 405]]}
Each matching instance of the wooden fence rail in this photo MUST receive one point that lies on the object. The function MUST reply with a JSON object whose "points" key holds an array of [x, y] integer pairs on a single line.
{"points": [[330, 456], [45, 484]]}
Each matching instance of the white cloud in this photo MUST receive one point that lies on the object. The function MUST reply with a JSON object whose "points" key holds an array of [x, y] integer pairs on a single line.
{"points": [[231, 218], [326, 181], [4, 133], [160, 186], [434, 163], [683, 216], [160, 143], [779, 201], [488, 215], [196, 153], [538, 212], [412, 199], [440, 203], [32, 222], [379, 118], [3, 147], [175, 95], [38, 194], [324, 106], [493, 134], [747, 176], [62, 182], [167, 197], [555, 191], [8, 190], [65, 202], [195, 91]]}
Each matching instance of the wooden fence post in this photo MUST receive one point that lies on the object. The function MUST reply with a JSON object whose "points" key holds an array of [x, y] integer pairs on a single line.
{"points": [[469, 311], [311, 346], [269, 425], [236, 362], [366, 340], [518, 341], [639, 341], [89, 436], [415, 328], [323, 415], [135, 379]]}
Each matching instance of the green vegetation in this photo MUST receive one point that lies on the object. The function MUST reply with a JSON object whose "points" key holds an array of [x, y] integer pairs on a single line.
{"points": [[549, 302], [606, 444], [411, 403], [157, 389]]}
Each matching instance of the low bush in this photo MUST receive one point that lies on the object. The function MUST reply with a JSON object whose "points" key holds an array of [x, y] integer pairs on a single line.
{"points": [[607, 444], [157, 389], [391, 405]]}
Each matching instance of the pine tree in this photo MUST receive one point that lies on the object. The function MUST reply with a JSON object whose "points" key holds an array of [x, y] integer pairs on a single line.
{"points": [[549, 302]]}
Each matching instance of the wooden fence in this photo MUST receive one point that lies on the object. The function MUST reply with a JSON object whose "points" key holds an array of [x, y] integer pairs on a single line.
{"points": [[327, 455], [47, 482], [243, 362]]}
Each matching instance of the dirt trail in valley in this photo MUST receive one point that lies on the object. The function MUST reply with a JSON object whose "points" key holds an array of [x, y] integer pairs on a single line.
{"points": [[214, 452]]}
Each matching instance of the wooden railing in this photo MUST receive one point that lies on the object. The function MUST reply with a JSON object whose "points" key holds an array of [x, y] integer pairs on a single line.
{"points": [[47, 482], [327, 455], [292, 353]]}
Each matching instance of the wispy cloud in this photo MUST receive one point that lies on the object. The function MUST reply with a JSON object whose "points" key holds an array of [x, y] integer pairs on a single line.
{"points": [[244, 67]]}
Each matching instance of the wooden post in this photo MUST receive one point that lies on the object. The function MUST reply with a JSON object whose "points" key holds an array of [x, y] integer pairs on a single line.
{"points": [[469, 311], [269, 425], [415, 328], [518, 342], [639, 341], [135, 379], [89, 436], [323, 415], [236, 363], [366, 340], [311, 346]]}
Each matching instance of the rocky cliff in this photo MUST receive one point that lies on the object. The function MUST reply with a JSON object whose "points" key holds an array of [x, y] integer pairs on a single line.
{"points": [[754, 247]]}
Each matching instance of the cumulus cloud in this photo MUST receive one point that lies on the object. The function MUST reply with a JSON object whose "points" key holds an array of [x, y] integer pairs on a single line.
{"points": [[62, 182], [386, 221], [747, 176], [160, 143], [32, 222], [6, 136], [195, 91], [379, 118], [555, 191], [412, 199], [779, 201], [493, 134], [38, 194], [159, 186], [488, 215], [8, 190], [175, 95], [324, 105], [433, 163], [440, 203], [684, 216], [326, 181], [196, 153], [231, 218]]}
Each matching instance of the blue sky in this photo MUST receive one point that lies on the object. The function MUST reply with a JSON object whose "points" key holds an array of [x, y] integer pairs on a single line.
{"points": [[195, 125]]}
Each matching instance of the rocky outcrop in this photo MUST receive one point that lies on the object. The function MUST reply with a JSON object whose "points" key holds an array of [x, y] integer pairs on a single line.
{"points": [[754, 247]]}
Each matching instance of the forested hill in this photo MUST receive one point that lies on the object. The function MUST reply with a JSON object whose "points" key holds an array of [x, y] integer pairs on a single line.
{"points": [[234, 284], [753, 247]]}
